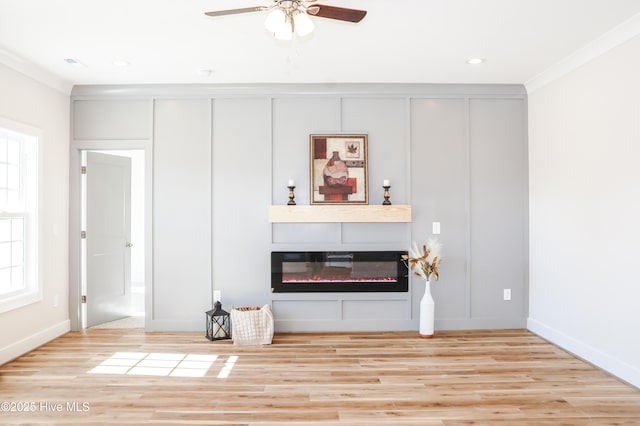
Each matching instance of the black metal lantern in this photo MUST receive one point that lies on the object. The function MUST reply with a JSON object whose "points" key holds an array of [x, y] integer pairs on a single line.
{"points": [[218, 323]]}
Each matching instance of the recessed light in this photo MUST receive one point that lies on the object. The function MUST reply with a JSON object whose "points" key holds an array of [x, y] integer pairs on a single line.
{"points": [[205, 72], [121, 63], [475, 61]]}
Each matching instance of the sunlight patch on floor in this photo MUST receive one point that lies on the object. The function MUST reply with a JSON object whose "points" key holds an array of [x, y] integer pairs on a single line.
{"points": [[162, 364], [228, 366]]}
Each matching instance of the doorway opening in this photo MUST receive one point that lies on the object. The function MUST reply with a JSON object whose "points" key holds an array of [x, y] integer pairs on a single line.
{"points": [[112, 247]]}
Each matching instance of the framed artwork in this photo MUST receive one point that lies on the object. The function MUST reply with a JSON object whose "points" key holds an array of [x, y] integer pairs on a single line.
{"points": [[338, 167]]}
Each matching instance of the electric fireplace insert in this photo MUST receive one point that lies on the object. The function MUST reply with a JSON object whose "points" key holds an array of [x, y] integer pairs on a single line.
{"points": [[338, 271]]}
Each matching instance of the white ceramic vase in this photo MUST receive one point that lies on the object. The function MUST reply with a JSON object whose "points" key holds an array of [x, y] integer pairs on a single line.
{"points": [[427, 312]]}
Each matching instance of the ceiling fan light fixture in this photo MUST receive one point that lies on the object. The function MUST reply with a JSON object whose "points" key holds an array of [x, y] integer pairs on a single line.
{"points": [[284, 35], [276, 21], [303, 24], [288, 16]]}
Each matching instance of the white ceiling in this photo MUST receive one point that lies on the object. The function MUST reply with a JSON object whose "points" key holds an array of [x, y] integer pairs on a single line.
{"points": [[403, 41]]}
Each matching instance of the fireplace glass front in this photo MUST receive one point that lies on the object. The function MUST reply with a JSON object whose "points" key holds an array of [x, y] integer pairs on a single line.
{"points": [[338, 271]]}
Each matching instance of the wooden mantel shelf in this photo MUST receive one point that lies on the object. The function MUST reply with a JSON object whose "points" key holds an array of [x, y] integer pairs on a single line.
{"points": [[339, 213]]}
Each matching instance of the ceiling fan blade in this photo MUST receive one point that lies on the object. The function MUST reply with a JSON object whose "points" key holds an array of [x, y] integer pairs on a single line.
{"points": [[340, 13], [234, 11]]}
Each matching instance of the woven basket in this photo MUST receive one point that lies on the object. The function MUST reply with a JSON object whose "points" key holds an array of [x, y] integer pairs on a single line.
{"points": [[252, 325]]}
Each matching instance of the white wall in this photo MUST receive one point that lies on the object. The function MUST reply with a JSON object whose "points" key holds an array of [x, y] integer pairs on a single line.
{"points": [[26, 101], [584, 141]]}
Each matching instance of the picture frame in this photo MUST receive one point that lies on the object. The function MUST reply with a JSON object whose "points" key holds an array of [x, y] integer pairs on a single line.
{"points": [[338, 169]]}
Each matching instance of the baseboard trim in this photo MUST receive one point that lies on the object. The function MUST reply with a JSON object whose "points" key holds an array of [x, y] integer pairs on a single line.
{"points": [[287, 326], [608, 363], [480, 323], [26, 345], [396, 325]]}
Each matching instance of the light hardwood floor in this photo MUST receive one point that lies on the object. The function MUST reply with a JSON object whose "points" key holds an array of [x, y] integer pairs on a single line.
{"points": [[502, 377]]}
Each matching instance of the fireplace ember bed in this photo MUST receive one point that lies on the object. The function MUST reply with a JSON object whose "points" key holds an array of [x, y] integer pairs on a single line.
{"points": [[338, 271]]}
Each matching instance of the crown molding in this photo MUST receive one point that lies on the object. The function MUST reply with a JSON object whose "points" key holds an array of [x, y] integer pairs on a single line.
{"points": [[606, 42], [156, 91], [28, 69]]}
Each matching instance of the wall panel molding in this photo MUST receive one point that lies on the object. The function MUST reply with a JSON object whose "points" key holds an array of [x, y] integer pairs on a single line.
{"points": [[419, 138]]}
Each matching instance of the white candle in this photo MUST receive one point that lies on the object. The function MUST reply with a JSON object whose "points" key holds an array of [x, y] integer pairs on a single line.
{"points": [[386, 182], [217, 331], [291, 182]]}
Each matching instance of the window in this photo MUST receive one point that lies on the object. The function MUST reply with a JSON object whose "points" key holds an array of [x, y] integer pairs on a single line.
{"points": [[18, 215]]}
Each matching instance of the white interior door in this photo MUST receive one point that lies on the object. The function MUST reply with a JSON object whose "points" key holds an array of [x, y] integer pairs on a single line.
{"points": [[108, 227]]}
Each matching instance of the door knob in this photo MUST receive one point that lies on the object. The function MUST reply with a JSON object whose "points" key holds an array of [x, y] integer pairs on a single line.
{"points": [[129, 245]]}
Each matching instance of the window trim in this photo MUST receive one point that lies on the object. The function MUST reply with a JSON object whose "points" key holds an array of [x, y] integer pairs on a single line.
{"points": [[32, 293]]}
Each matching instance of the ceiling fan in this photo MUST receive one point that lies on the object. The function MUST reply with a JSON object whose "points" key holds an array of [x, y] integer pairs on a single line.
{"points": [[289, 16]]}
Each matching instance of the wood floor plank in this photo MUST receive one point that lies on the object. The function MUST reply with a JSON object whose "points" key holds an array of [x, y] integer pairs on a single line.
{"points": [[486, 377]]}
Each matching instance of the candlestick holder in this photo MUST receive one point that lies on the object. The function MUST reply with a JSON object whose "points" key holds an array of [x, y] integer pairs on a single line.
{"points": [[386, 201], [291, 196]]}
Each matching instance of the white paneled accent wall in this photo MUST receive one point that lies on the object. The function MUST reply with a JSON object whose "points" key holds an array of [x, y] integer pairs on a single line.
{"points": [[441, 194], [222, 156], [241, 182], [122, 119], [498, 208], [181, 214]]}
